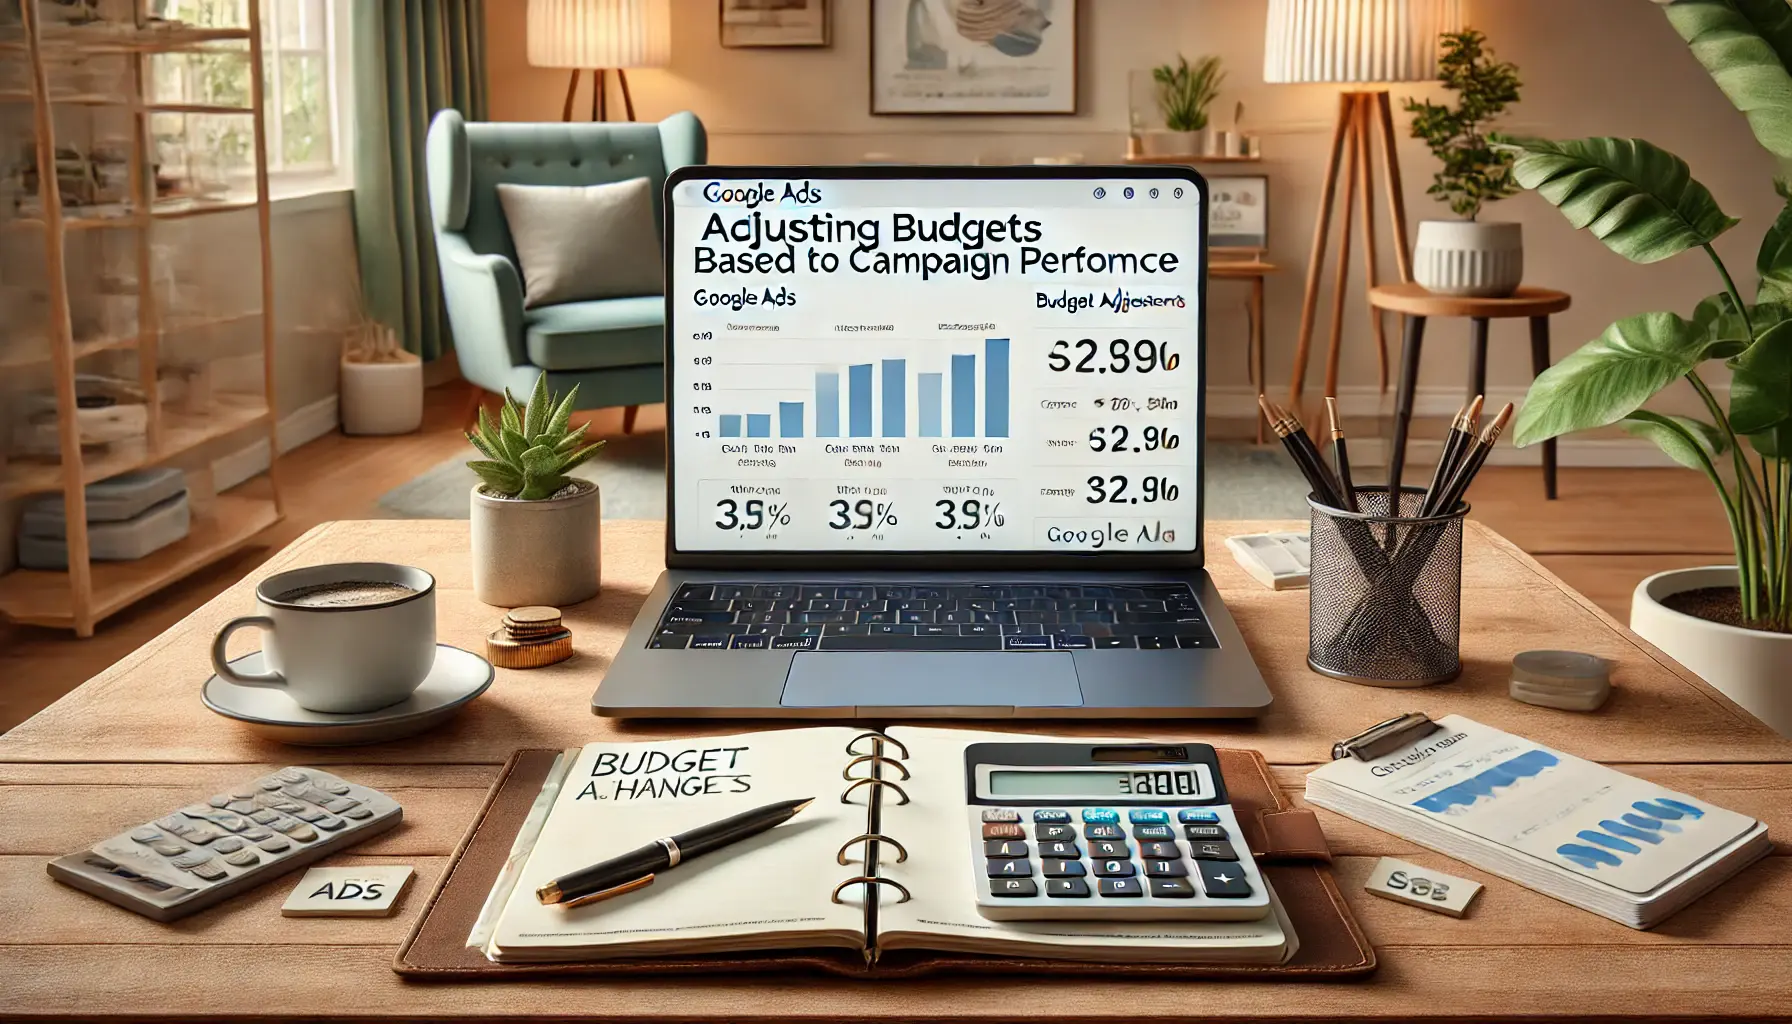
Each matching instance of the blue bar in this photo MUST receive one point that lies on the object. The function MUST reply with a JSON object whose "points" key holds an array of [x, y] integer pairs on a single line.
{"points": [[759, 424], [827, 405], [790, 419], [964, 396], [730, 426], [895, 397], [858, 399], [995, 387], [929, 386]]}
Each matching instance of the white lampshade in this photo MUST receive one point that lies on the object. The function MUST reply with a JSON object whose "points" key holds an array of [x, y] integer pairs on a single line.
{"points": [[600, 33], [1356, 40]]}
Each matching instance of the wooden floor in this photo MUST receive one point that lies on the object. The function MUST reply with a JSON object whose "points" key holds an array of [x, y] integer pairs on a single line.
{"points": [[1611, 528]]}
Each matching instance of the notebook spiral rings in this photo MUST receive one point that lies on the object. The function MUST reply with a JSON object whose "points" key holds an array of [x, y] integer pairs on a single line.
{"points": [[872, 838]]}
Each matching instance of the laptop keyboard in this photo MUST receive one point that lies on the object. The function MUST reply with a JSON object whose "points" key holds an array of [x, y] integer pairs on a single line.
{"points": [[923, 617]]}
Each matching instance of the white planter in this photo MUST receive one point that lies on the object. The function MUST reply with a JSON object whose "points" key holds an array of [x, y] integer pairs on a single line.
{"points": [[536, 552], [1168, 143], [382, 398], [1469, 258], [1750, 667]]}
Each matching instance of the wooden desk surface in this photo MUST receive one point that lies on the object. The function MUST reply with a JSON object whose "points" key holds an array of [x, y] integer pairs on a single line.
{"points": [[135, 741]]}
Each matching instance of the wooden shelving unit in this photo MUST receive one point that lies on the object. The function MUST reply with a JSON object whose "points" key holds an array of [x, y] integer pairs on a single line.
{"points": [[177, 430], [1193, 159]]}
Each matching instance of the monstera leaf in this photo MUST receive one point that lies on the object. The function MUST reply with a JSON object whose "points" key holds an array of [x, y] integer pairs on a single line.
{"points": [[1774, 262], [1687, 441], [1761, 385], [1746, 45], [1637, 198], [1610, 377]]}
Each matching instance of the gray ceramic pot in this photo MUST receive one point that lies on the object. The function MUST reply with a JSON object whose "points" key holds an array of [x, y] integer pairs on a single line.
{"points": [[536, 552]]}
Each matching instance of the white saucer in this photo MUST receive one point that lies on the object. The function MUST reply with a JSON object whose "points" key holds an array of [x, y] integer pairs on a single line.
{"points": [[458, 677]]}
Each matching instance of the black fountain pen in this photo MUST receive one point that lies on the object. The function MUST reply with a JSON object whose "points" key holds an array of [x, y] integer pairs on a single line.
{"points": [[635, 869]]}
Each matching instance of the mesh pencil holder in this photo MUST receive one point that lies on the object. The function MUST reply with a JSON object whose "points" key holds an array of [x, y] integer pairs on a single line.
{"points": [[1385, 593]]}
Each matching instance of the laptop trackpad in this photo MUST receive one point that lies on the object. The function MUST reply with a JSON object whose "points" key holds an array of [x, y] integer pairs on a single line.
{"points": [[832, 679]]}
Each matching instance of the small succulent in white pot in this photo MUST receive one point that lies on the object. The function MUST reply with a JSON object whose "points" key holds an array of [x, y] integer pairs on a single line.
{"points": [[535, 529]]}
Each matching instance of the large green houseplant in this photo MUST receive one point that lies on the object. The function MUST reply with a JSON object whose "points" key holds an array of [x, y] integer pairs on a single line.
{"points": [[1644, 204]]}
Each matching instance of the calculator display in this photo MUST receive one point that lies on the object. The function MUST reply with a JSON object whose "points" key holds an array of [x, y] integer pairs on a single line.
{"points": [[1154, 782]]}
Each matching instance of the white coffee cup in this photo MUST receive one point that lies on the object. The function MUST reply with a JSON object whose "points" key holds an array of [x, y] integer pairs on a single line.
{"points": [[340, 658]]}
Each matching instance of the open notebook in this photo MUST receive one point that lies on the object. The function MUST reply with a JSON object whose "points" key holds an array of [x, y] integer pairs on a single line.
{"points": [[782, 889]]}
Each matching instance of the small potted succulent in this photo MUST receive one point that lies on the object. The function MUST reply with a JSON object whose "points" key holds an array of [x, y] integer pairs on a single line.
{"points": [[1468, 257], [1184, 92], [535, 529]]}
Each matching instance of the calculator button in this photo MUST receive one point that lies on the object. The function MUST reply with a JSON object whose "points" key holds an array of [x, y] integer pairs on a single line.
{"points": [[227, 845], [264, 816], [1004, 848], [211, 871], [1021, 868], [1172, 888], [1121, 887], [146, 835], [1147, 816], [1100, 850], [1100, 816], [1166, 868], [358, 812], [1059, 851], [1051, 832], [192, 859], [1104, 832], [230, 822], [338, 804], [1115, 868], [307, 814], [336, 788], [243, 806], [243, 858], [1212, 851], [287, 825], [220, 801], [1064, 869], [1191, 816], [1051, 817], [1013, 887], [1153, 832], [256, 833], [1067, 888], [290, 775], [168, 848], [304, 833], [990, 814], [1203, 833], [329, 823], [1003, 830], [274, 844], [1159, 851], [1223, 879], [269, 784]]}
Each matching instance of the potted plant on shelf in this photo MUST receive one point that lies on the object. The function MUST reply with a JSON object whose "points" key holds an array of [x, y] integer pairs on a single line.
{"points": [[1468, 257], [535, 529], [1184, 92], [381, 383], [1730, 624]]}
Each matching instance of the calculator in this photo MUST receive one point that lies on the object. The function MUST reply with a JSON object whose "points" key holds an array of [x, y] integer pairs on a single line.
{"points": [[209, 851], [1098, 831]]}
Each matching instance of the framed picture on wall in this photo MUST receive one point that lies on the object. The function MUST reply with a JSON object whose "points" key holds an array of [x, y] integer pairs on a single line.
{"points": [[973, 56], [755, 23], [1238, 215]]}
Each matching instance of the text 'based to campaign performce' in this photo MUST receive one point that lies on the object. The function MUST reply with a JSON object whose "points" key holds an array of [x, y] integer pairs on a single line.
{"points": [[934, 365]]}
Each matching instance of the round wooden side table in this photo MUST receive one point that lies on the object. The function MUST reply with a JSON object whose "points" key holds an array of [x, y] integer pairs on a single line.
{"points": [[1419, 306]]}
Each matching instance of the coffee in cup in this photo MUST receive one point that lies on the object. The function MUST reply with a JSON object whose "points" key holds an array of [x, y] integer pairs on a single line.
{"points": [[342, 638]]}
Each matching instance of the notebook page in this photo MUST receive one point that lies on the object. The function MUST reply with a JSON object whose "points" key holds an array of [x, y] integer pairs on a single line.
{"points": [[767, 892], [943, 914]]}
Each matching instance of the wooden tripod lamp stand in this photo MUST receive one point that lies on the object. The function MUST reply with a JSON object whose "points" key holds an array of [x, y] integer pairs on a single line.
{"points": [[600, 35], [1360, 43]]}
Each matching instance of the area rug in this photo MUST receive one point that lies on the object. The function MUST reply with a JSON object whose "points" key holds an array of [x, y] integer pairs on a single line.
{"points": [[1243, 482]]}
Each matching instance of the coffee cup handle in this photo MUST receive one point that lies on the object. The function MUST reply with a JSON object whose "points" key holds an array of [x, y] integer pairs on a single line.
{"points": [[221, 662]]}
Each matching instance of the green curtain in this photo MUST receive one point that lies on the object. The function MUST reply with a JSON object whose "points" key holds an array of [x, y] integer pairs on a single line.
{"points": [[411, 59]]}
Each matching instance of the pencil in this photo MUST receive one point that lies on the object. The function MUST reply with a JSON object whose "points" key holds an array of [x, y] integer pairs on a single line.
{"points": [[1473, 461], [1456, 443], [1285, 426], [1341, 456]]}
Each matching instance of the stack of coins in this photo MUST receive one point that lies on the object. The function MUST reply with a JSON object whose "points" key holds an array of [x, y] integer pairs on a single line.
{"points": [[529, 638], [1567, 680]]}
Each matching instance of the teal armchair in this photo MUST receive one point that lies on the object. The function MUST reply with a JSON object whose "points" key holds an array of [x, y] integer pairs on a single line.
{"points": [[614, 349]]}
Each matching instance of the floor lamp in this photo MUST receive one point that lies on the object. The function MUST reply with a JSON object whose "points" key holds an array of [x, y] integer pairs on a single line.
{"points": [[1361, 43], [599, 36]]}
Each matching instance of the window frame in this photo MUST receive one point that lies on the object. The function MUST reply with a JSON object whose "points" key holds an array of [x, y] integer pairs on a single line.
{"points": [[337, 173]]}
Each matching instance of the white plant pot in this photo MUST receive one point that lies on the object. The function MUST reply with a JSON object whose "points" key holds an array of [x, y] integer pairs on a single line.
{"points": [[1168, 143], [1469, 258], [536, 552], [382, 398], [1750, 667]]}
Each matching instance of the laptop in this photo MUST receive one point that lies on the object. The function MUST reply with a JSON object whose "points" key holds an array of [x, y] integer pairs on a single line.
{"points": [[934, 449]]}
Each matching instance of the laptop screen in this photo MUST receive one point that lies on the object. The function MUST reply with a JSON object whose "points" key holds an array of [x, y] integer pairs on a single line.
{"points": [[883, 360]]}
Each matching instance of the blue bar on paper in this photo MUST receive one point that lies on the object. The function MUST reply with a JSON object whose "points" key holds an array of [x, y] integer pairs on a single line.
{"points": [[964, 396], [827, 405], [730, 426], [895, 397], [858, 399], [790, 419], [929, 387], [995, 387], [759, 424]]}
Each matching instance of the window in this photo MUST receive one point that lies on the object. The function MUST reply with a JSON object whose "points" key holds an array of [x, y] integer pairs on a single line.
{"points": [[305, 66]]}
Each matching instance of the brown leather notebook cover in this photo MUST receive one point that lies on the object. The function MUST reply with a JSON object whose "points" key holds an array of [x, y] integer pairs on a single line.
{"points": [[1287, 842]]}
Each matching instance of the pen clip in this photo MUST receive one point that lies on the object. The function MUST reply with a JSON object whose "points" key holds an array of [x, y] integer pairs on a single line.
{"points": [[1385, 737], [615, 890]]}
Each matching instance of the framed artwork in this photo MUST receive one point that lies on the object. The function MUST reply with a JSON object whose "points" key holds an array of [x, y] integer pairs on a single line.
{"points": [[1238, 214], [766, 23], [973, 56]]}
